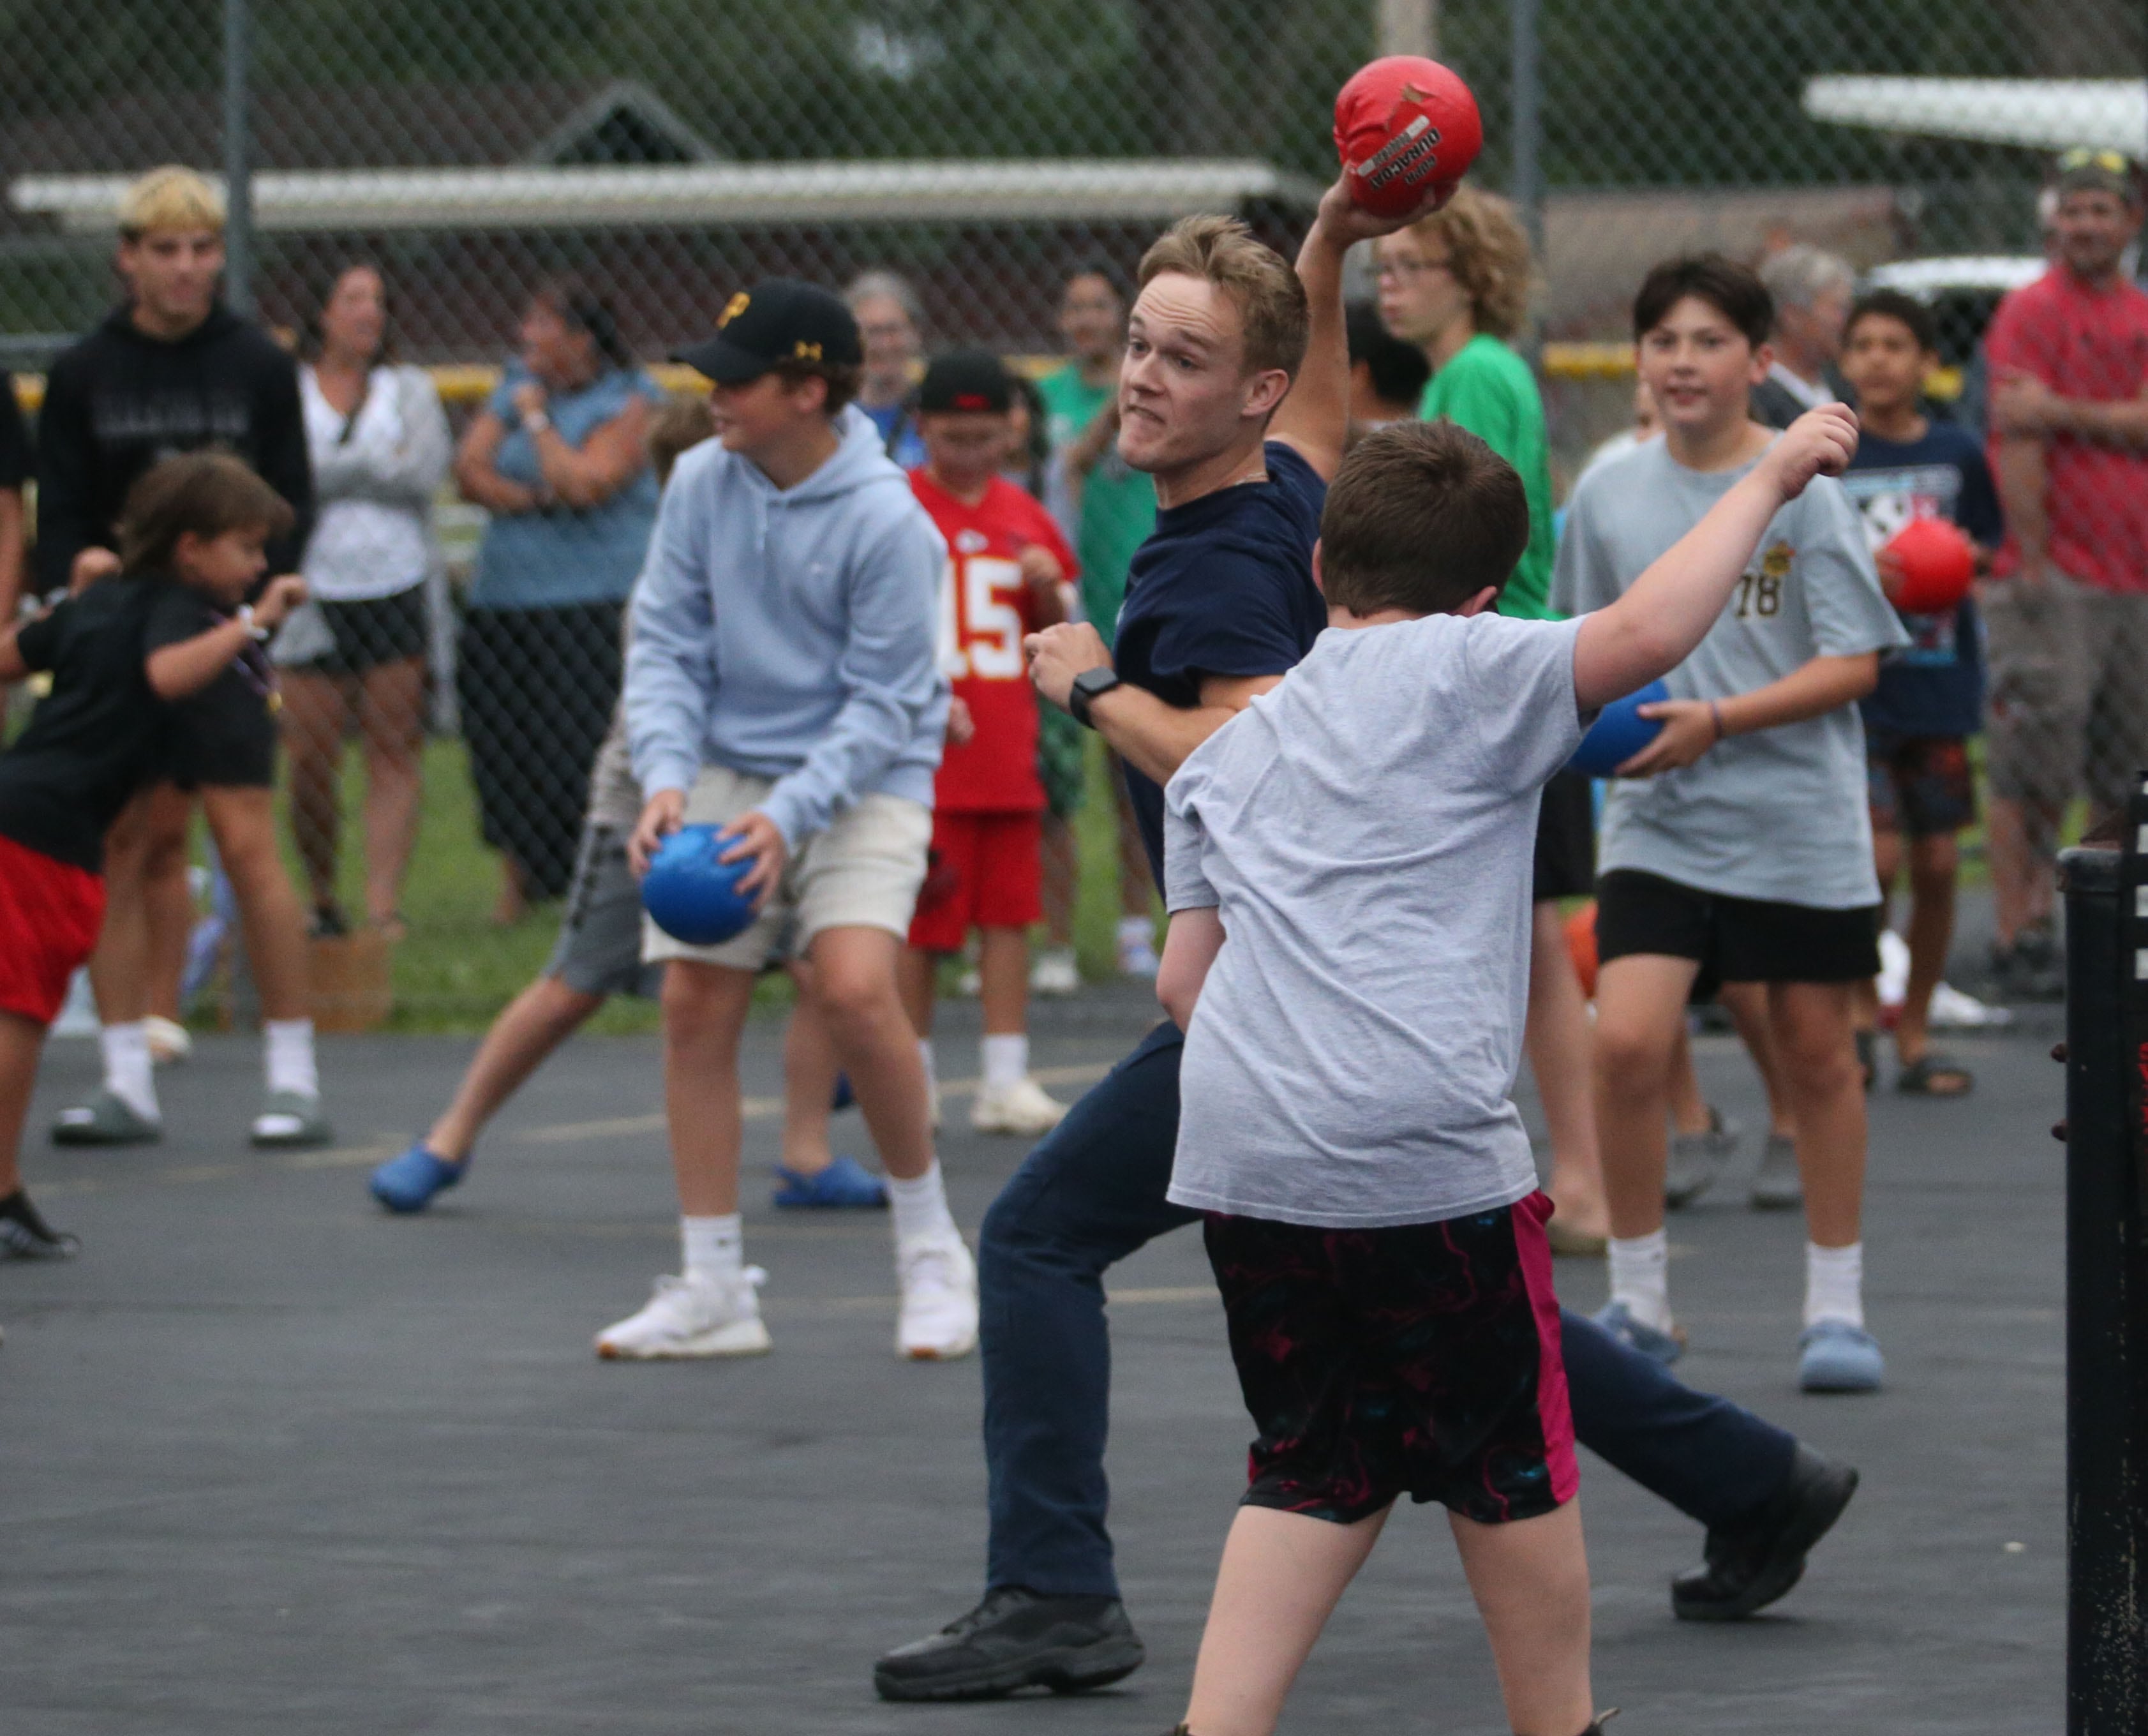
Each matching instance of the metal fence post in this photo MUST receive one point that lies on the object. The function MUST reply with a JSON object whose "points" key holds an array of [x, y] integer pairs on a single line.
{"points": [[238, 158], [1527, 185], [2106, 1052]]}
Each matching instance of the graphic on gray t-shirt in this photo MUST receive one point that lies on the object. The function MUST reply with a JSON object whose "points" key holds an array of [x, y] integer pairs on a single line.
{"points": [[1779, 815], [1367, 829]]}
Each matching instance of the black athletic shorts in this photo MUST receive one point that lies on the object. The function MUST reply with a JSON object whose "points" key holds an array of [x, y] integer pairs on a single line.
{"points": [[370, 631], [1733, 940], [1566, 839], [1421, 1359]]}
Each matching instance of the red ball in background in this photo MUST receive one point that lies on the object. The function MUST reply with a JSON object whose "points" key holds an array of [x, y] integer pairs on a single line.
{"points": [[1937, 562], [1405, 127], [1581, 946]]}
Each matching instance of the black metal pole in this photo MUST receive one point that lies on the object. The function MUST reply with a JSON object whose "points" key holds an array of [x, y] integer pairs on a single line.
{"points": [[2105, 1050], [237, 158]]}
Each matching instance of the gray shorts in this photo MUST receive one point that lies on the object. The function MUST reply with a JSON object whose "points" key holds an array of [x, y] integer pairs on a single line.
{"points": [[599, 951]]}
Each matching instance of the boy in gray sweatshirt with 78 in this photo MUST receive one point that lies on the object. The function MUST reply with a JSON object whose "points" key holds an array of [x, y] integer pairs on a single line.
{"points": [[784, 685]]}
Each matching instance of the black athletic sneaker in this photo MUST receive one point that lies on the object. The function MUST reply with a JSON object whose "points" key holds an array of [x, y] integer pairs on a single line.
{"points": [[1014, 1639], [1746, 1569], [26, 1235]]}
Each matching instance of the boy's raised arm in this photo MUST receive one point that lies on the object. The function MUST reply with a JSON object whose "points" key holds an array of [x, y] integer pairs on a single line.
{"points": [[1668, 609]]}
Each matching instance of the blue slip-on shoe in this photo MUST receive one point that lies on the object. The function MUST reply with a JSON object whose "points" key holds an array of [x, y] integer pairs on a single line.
{"points": [[844, 1184], [1835, 1356], [844, 1097], [1617, 1319], [408, 1183]]}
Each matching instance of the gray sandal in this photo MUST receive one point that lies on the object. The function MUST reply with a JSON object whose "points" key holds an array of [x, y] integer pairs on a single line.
{"points": [[105, 1119], [290, 1119]]}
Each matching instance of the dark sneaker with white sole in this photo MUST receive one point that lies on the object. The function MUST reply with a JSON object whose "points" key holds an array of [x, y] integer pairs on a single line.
{"points": [[1747, 1567], [24, 1234], [1015, 1639]]}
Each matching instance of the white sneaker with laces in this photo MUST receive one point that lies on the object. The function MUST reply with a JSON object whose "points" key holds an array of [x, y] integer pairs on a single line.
{"points": [[1055, 972], [938, 1282], [1022, 1107], [684, 1318]]}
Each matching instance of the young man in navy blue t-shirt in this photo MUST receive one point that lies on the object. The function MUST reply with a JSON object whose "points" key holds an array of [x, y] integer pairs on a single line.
{"points": [[1234, 396], [1930, 697]]}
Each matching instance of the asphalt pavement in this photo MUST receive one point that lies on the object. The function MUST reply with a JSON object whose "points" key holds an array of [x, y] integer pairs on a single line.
{"points": [[273, 1462]]}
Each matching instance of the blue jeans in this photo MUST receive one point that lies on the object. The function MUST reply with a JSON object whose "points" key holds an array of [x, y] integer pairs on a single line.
{"points": [[1093, 1192]]}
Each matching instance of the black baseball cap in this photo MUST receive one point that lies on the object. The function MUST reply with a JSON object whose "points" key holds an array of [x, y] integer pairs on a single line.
{"points": [[2090, 171], [780, 320], [966, 379]]}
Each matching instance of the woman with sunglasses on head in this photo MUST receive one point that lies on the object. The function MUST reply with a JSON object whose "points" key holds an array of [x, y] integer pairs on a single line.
{"points": [[559, 459]]}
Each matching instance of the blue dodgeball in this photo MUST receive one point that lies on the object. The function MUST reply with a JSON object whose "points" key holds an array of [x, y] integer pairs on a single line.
{"points": [[691, 895], [1619, 732]]}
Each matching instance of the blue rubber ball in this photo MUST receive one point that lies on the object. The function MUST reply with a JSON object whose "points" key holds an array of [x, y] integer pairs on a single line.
{"points": [[691, 895], [1619, 732]]}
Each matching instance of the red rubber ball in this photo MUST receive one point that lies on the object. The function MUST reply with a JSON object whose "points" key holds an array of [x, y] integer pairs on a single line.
{"points": [[1937, 565], [1405, 127]]}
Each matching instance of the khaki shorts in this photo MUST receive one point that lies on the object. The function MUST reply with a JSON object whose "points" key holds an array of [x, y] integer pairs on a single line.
{"points": [[2069, 697], [863, 871]]}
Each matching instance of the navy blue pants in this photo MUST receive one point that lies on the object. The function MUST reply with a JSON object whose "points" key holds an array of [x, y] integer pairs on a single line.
{"points": [[1093, 1192]]}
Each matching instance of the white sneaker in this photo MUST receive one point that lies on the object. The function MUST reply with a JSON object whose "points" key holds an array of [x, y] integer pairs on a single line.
{"points": [[939, 1281], [1021, 1107], [168, 1039], [687, 1319], [1055, 972]]}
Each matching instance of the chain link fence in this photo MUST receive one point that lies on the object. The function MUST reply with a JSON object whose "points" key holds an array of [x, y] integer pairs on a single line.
{"points": [[629, 166]]}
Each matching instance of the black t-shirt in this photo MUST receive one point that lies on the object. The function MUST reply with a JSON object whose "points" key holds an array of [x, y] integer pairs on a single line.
{"points": [[14, 437], [1223, 586], [97, 737], [225, 733], [120, 400]]}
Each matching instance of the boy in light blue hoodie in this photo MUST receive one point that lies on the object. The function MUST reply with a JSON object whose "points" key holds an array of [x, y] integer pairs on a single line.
{"points": [[784, 684]]}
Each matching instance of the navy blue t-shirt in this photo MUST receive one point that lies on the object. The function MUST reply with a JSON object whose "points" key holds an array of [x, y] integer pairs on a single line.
{"points": [[1223, 586], [1935, 687]]}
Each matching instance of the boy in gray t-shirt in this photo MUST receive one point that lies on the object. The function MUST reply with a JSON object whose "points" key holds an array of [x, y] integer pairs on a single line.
{"points": [[1737, 846], [1348, 867]]}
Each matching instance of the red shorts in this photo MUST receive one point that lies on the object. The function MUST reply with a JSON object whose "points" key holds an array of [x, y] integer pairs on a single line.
{"points": [[50, 912], [987, 872]]}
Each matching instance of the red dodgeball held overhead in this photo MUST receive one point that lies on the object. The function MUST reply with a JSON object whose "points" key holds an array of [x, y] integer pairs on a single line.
{"points": [[1405, 127], [1938, 563]]}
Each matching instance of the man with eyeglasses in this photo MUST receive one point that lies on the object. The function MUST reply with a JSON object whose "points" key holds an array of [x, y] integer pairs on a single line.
{"points": [[2068, 615]]}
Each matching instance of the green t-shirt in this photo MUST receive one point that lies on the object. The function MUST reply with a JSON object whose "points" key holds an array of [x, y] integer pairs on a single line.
{"points": [[1118, 505], [1489, 390]]}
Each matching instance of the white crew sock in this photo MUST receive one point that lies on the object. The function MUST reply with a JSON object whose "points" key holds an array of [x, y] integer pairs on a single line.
{"points": [[288, 1054], [919, 1205], [127, 1067], [713, 1248], [1835, 1283], [1005, 1060], [1641, 1278]]}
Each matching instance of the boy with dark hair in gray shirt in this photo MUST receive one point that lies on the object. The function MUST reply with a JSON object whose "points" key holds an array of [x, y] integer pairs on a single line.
{"points": [[1348, 871], [1737, 847]]}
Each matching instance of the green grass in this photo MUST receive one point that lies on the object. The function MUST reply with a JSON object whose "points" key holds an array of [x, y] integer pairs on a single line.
{"points": [[457, 969]]}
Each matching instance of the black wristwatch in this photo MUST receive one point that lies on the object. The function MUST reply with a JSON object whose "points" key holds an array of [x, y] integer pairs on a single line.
{"points": [[1090, 685]]}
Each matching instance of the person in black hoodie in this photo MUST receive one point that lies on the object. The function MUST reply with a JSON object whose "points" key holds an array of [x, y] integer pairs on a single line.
{"points": [[174, 370]]}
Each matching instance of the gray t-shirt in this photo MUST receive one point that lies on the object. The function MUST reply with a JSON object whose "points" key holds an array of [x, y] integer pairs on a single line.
{"points": [[614, 792], [1367, 829], [1779, 815]]}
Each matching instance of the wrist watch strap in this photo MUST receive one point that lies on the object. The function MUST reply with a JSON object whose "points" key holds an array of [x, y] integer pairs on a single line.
{"points": [[1089, 685]]}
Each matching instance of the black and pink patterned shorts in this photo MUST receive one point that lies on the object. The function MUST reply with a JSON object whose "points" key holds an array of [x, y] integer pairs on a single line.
{"points": [[1419, 1359]]}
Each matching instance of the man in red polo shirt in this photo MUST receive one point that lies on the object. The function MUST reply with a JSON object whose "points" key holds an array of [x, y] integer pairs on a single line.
{"points": [[2068, 619]]}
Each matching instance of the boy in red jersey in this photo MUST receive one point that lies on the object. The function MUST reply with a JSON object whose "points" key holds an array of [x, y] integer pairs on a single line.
{"points": [[1008, 564]]}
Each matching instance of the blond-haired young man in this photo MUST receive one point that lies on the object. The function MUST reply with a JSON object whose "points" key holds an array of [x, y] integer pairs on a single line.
{"points": [[171, 370]]}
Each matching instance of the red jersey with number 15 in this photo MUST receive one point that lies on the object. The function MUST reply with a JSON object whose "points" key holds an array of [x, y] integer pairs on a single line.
{"points": [[985, 609]]}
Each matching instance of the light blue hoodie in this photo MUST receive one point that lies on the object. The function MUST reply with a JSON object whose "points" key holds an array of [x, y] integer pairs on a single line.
{"points": [[790, 633]]}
